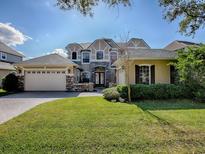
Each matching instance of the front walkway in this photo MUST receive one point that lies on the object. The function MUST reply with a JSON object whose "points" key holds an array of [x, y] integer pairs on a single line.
{"points": [[16, 104]]}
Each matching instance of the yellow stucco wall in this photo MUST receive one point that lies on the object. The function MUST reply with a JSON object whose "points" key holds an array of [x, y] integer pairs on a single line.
{"points": [[162, 70]]}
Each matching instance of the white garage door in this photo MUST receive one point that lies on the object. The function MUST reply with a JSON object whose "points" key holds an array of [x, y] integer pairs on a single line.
{"points": [[45, 81]]}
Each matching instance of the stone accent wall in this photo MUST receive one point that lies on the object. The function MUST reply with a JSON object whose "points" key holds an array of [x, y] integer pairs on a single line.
{"points": [[69, 82], [83, 87], [71, 85], [21, 83]]}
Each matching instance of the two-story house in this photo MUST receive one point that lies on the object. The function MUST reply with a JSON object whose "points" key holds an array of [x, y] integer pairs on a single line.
{"points": [[101, 63], [96, 58], [8, 56]]}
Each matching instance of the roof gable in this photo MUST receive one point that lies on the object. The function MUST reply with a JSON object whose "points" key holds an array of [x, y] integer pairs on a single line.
{"points": [[138, 43], [99, 44], [71, 46], [9, 50], [85, 45], [47, 60], [177, 45]]}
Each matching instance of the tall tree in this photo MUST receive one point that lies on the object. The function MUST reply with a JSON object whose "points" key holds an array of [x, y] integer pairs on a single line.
{"points": [[191, 65], [190, 12], [85, 6]]}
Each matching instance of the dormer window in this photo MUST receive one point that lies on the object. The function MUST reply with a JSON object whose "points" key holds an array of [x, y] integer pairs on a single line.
{"points": [[99, 55], [3, 56], [74, 55]]}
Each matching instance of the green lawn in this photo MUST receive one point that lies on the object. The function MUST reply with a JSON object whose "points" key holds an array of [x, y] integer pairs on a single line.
{"points": [[94, 125]]}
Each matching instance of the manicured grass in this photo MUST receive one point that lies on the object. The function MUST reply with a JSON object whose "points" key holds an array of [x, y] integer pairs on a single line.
{"points": [[2, 92], [94, 125]]}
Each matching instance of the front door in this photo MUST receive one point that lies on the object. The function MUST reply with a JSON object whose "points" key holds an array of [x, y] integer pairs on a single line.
{"points": [[99, 78]]}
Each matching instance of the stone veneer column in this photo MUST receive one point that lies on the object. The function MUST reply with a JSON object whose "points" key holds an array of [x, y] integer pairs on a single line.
{"points": [[21, 82], [69, 82]]}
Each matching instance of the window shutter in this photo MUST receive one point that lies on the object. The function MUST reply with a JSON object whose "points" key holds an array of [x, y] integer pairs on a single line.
{"points": [[137, 68], [152, 74], [172, 74]]}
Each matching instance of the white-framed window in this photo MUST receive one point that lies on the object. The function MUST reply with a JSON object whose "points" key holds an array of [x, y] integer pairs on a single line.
{"points": [[145, 74], [74, 55], [85, 57], [99, 55], [113, 56], [3, 56]]}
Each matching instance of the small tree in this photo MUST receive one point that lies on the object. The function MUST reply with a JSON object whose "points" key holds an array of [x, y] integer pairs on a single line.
{"points": [[10, 82], [191, 65], [124, 48]]}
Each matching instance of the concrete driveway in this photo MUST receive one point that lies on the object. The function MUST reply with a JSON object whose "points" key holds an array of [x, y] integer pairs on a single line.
{"points": [[15, 104]]}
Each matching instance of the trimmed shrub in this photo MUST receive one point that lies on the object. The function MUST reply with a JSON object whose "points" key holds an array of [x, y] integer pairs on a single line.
{"points": [[200, 95], [123, 90], [155, 91], [111, 94], [10, 83]]}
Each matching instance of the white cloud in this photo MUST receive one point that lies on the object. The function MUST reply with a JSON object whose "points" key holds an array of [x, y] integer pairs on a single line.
{"points": [[61, 52], [11, 36]]}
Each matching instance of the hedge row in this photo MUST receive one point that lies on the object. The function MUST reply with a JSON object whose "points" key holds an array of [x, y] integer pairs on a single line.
{"points": [[155, 91]]}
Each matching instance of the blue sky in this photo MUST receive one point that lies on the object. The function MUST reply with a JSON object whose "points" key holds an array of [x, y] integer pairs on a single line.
{"points": [[51, 28]]}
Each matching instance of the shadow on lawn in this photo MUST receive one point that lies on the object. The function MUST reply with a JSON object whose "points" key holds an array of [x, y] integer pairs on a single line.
{"points": [[165, 125], [169, 105], [149, 106]]}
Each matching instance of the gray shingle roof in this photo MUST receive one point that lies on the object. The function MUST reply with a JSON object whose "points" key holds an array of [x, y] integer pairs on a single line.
{"points": [[47, 60], [148, 54], [151, 54], [6, 66], [140, 43], [9, 50], [177, 45]]}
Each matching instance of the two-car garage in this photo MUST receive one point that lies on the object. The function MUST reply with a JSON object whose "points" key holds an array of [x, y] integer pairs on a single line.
{"points": [[46, 73], [45, 81]]}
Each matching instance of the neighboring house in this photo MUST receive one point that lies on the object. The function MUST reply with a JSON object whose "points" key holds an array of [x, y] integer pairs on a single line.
{"points": [[96, 58], [8, 56], [47, 73], [177, 45]]}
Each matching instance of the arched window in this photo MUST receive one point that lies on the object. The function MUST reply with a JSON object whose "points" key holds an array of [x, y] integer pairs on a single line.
{"points": [[74, 55], [99, 55]]}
